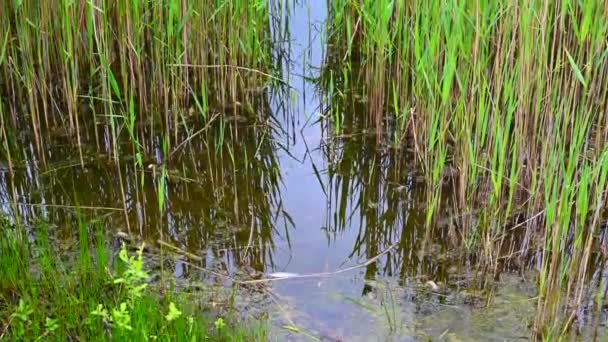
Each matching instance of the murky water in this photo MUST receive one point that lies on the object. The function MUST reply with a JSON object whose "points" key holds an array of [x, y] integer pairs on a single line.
{"points": [[341, 218]]}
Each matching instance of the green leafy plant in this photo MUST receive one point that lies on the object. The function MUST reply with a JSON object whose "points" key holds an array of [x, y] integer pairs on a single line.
{"points": [[219, 324], [133, 278], [121, 317], [173, 313], [50, 326], [21, 317]]}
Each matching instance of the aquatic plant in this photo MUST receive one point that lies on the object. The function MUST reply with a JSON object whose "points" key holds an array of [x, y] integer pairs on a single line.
{"points": [[133, 68], [512, 95], [167, 90]]}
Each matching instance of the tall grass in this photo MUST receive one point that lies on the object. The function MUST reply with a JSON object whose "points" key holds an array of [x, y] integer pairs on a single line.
{"points": [[151, 84], [126, 66], [512, 95]]}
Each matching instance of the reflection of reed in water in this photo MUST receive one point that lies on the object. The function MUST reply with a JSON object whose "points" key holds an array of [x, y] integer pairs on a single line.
{"points": [[221, 187], [164, 127], [378, 191]]}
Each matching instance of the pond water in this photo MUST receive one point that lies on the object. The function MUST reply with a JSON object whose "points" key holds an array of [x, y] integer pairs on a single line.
{"points": [[341, 219]]}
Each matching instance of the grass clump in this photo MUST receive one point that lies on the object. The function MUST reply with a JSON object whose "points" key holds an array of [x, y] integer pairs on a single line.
{"points": [[92, 296]]}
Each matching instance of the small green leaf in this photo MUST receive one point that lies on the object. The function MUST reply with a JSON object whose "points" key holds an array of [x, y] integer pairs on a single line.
{"points": [[113, 83], [219, 324], [292, 328], [100, 311], [173, 314], [50, 325], [576, 69]]}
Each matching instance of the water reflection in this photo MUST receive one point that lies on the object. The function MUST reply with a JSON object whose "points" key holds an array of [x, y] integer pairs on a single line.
{"points": [[377, 191], [222, 194]]}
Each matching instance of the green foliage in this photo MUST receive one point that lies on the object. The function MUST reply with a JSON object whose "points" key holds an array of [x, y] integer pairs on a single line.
{"points": [[133, 278], [219, 324], [21, 318], [109, 302], [510, 94], [141, 64], [173, 313]]}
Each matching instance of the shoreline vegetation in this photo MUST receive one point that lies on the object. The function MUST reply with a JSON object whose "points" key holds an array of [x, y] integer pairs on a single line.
{"points": [[504, 103], [105, 72], [508, 102], [140, 83], [88, 292]]}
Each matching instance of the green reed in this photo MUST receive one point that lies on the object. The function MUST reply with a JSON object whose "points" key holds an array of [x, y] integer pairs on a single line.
{"points": [[96, 63], [149, 84], [513, 96]]}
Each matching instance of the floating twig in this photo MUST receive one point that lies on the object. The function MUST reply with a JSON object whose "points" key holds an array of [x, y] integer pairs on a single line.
{"points": [[322, 274]]}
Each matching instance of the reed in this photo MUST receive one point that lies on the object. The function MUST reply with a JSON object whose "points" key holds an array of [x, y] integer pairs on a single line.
{"points": [[134, 65], [512, 95], [173, 92]]}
